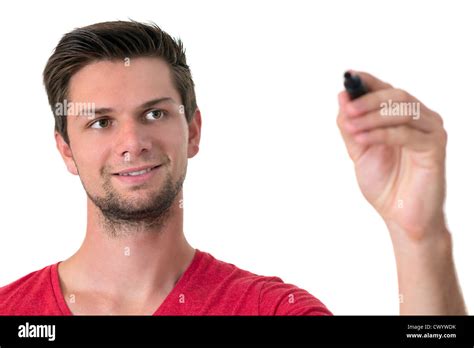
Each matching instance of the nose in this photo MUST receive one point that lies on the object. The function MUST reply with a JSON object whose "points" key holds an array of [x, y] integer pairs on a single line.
{"points": [[132, 140]]}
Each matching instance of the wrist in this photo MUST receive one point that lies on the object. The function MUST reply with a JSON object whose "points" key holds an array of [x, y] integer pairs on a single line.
{"points": [[432, 240], [426, 272]]}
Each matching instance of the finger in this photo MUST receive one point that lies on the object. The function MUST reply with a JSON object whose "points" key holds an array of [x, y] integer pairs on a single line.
{"points": [[396, 99], [401, 136], [354, 149], [371, 82], [343, 98], [376, 119]]}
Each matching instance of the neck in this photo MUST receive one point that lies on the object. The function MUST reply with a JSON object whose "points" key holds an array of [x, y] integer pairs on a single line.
{"points": [[138, 264]]}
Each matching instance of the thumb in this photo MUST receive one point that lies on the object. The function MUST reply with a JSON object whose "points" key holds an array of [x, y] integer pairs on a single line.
{"points": [[354, 149]]}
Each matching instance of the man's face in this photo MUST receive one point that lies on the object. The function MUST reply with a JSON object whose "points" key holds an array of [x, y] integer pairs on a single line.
{"points": [[132, 130]]}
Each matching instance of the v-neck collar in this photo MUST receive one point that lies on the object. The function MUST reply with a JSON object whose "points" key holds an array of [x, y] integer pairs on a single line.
{"points": [[180, 284]]}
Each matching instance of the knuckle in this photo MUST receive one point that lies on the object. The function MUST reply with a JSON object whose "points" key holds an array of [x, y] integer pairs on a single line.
{"points": [[401, 94], [439, 118], [444, 135]]}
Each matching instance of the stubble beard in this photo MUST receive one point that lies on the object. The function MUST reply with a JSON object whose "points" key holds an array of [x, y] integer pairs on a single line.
{"points": [[122, 216]]}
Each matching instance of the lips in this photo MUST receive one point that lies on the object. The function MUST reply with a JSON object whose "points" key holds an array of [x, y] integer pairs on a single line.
{"points": [[137, 171]]}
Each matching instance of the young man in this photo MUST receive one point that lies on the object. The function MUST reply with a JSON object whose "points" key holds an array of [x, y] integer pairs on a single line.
{"points": [[131, 155]]}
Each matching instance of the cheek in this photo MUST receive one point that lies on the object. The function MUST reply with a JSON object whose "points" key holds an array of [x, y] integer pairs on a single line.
{"points": [[90, 162], [175, 146], [88, 155]]}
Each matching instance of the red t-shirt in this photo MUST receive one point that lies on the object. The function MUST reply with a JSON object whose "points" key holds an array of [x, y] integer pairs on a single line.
{"points": [[207, 287]]}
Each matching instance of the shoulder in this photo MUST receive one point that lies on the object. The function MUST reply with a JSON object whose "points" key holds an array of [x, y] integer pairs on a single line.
{"points": [[280, 298], [226, 275], [27, 295], [264, 295]]}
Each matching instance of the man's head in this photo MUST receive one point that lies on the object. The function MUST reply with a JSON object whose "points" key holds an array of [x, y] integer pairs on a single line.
{"points": [[145, 116]]}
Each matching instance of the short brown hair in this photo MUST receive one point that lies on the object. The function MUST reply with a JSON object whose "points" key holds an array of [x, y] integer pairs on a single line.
{"points": [[116, 40]]}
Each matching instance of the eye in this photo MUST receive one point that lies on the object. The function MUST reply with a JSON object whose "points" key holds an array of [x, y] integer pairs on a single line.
{"points": [[155, 115], [100, 124]]}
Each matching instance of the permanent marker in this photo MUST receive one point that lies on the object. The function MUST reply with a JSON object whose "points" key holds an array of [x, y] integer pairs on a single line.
{"points": [[354, 85]]}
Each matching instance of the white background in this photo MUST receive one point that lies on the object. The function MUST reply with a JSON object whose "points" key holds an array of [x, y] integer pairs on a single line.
{"points": [[272, 189]]}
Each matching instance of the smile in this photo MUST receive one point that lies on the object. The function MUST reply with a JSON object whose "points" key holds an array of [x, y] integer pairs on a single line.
{"points": [[136, 175], [136, 171], [140, 172]]}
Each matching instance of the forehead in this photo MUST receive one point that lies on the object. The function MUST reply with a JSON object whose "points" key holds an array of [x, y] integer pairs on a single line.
{"points": [[122, 82]]}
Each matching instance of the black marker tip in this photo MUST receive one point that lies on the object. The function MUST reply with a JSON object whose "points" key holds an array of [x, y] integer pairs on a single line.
{"points": [[354, 85]]}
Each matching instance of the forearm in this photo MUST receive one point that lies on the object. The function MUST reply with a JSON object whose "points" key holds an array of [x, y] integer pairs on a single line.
{"points": [[427, 277]]}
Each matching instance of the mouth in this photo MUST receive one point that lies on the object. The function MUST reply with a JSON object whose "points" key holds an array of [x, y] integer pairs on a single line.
{"points": [[136, 175], [136, 171]]}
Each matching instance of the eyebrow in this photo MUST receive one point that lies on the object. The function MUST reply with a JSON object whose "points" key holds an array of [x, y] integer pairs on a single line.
{"points": [[150, 103]]}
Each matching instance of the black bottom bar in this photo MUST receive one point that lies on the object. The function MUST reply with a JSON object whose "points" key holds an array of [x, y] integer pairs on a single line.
{"points": [[134, 331]]}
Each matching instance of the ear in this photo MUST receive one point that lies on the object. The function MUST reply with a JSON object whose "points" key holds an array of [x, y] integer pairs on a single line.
{"points": [[66, 153], [194, 131]]}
